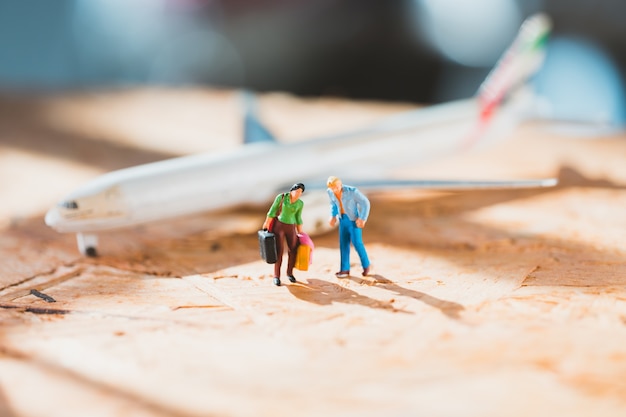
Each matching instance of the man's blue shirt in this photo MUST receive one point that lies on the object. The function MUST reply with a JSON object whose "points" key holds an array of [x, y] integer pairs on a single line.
{"points": [[355, 204]]}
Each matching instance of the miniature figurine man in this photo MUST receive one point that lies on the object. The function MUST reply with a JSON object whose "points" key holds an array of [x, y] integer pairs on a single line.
{"points": [[352, 208], [286, 215]]}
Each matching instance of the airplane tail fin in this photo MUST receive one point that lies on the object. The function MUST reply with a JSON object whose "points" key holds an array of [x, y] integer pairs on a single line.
{"points": [[519, 62], [253, 129]]}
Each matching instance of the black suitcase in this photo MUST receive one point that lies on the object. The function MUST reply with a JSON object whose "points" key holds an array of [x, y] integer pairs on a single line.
{"points": [[267, 246]]}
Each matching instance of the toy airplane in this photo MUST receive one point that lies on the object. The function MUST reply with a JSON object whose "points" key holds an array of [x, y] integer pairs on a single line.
{"points": [[263, 167]]}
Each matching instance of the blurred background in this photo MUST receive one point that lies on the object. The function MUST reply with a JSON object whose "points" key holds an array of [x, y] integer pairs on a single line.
{"points": [[424, 51]]}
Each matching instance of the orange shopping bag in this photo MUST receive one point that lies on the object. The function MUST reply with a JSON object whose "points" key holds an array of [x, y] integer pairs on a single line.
{"points": [[304, 254]]}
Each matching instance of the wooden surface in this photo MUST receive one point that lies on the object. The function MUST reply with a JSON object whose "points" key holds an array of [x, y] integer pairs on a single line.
{"points": [[481, 304]]}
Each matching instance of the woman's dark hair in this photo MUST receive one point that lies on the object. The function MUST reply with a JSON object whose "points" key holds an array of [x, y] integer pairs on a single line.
{"points": [[296, 186]]}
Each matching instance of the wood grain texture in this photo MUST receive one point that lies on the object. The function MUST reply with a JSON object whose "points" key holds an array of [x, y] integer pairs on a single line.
{"points": [[480, 304]]}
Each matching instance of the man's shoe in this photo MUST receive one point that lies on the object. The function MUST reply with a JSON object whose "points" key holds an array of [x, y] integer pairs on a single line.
{"points": [[277, 281], [292, 278], [342, 274], [366, 271]]}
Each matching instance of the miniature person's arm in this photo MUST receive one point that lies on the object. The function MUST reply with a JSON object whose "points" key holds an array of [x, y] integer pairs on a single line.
{"points": [[363, 208], [299, 216], [272, 212], [334, 209], [274, 208]]}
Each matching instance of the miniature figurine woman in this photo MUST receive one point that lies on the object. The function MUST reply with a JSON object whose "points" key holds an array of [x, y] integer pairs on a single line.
{"points": [[284, 219]]}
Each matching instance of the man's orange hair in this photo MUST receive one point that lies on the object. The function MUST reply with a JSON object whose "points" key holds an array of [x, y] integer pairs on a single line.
{"points": [[331, 180]]}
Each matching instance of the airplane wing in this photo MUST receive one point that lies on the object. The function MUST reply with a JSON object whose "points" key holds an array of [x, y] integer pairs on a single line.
{"points": [[450, 185], [384, 185]]}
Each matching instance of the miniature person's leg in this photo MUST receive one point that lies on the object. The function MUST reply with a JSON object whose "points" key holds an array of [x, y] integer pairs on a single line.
{"points": [[279, 231], [357, 241], [291, 235], [344, 242]]}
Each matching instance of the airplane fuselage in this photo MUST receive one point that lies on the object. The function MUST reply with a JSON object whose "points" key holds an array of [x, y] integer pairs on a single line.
{"points": [[256, 172]]}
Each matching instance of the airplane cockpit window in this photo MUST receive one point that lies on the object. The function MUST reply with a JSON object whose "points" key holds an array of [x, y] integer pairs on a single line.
{"points": [[69, 204]]}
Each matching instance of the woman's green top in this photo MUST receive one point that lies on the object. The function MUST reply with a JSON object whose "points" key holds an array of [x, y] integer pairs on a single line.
{"points": [[291, 213]]}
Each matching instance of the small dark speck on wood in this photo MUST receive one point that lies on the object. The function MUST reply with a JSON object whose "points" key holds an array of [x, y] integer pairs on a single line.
{"points": [[43, 296]]}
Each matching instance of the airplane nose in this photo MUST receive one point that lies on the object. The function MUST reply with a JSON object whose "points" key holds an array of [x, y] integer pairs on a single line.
{"points": [[53, 217]]}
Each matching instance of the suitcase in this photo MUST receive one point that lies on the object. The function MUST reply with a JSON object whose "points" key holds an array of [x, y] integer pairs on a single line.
{"points": [[267, 246], [304, 254]]}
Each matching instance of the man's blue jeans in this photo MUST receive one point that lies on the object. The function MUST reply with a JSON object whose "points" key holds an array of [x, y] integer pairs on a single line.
{"points": [[349, 233]]}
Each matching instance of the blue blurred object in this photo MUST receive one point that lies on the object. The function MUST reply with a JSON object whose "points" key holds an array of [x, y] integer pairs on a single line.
{"points": [[472, 33], [36, 44], [426, 51], [582, 83]]}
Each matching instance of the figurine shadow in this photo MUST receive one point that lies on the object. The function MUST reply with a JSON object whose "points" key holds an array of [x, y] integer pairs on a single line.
{"points": [[436, 223], [451, 309], [321, 292]]}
